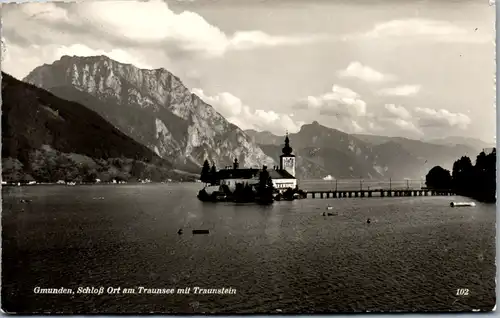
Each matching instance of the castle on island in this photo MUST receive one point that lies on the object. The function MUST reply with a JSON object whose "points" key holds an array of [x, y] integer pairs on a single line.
{"points": [[283, 176]]}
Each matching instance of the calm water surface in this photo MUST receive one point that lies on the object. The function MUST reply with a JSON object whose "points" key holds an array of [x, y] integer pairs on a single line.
{"points": [[413, 256]]}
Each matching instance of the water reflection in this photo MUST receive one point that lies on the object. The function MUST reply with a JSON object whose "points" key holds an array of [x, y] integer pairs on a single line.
{"points": [[273, 223]]}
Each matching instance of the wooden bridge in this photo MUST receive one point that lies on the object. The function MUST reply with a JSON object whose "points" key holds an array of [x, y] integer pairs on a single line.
{"points": [[377, 193], [359, 188]]}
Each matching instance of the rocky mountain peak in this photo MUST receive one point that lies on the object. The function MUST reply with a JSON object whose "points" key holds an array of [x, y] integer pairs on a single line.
{"points": [[152, 106]]}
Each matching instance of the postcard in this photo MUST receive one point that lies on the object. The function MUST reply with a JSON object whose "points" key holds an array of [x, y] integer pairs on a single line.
{"points": [[248, 157]]}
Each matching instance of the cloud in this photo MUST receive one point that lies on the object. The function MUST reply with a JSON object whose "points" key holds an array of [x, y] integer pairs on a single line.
{"points": [[225, 103], [18, 61], [148, 30], [46, 12], [254, 39], [342, 106], [115, 54], [397, 111], [340, 102], [236, 112], [441, 118], [423, 29], [392, 120], [401, 127], [421, 121], [344, 109], [143, 23], [403, 90], [365, 73]]}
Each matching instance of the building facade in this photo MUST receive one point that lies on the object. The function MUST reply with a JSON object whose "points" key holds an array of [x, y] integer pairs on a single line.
{"points": [[283, 176]]}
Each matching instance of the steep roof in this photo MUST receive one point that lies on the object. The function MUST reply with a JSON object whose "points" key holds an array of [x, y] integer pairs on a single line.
{"points": [[280, 174]]}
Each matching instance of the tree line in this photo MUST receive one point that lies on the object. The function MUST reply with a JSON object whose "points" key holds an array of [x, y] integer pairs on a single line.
{"points": [[477, 181], [51, 166]]}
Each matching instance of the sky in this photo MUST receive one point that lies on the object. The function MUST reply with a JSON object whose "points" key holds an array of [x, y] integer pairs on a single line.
{"points": [[420, 69]]}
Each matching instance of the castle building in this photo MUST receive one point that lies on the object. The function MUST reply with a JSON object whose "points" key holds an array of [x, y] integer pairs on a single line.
{"points": [[283, 176]]}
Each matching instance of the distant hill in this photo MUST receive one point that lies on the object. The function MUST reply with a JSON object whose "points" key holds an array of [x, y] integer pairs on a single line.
{"points": [[47, 138], [446, 141], [264, 137], [457, 140], [374, 139], [323, 151]]}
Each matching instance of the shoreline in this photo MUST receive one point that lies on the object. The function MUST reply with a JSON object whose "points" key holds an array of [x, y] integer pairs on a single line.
{"points": [[88, 184]]}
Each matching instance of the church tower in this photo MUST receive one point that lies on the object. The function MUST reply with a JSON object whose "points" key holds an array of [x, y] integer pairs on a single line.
{"points": [[287, 160]]}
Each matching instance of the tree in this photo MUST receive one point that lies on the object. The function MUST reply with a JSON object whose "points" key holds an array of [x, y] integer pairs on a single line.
{"points": [[88, 174], [12, 170], [475, 181], [138, 169], [270, 184], [117, 162], [263, 178], [265, 188], [213, 175], [205, 172], [462, 175], [484, 186], [481, 162], [438, 178]]}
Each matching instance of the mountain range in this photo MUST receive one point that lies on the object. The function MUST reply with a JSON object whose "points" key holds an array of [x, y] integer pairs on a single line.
{"points": [[154, 108], [323, 151], [150, 116]]}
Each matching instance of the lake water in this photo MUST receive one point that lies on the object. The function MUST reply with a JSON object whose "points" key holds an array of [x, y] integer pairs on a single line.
{"points": [[413, 256]]}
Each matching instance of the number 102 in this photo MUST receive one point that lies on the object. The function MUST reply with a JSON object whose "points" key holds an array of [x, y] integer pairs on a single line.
{"points": [[462, 292]]}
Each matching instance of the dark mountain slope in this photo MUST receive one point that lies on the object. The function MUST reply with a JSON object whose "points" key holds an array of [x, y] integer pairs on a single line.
{"points": [[34, 119]]}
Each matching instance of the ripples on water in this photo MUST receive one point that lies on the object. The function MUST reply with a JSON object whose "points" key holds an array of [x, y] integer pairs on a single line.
{"points": [[413, 256]]}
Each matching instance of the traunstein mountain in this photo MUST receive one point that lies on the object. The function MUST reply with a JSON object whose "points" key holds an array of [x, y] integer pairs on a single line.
{"points": [[153, 107]]}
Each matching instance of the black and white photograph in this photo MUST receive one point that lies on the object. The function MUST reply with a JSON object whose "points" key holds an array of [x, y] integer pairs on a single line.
{"points": [[248, 157]]}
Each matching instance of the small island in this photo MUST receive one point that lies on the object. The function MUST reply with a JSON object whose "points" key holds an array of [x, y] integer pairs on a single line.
{"points": [[263, 186]]}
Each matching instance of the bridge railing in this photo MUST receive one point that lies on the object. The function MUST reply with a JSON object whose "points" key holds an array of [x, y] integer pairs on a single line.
{"points": [[360, 184]]}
